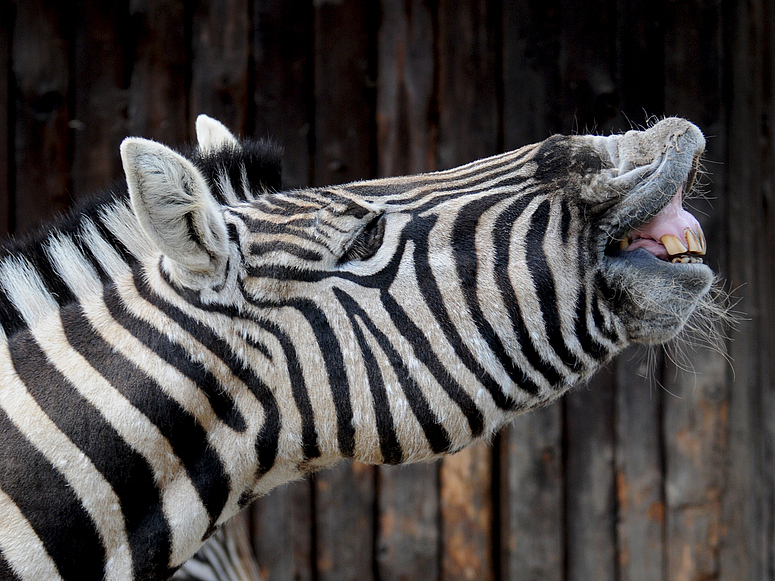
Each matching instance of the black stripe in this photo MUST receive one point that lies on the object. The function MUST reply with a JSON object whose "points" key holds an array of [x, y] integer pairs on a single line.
{"points": [[331, 351], [435, 433], [565, 221], [50, 505], [38, 258], [309, 435], [6, 573], [543, 282], [127, 471], [267, 439], [389, 445], [435, 302], [599, 320], [186, 436], [10, 317], [113, 241], [257, 249], [588, 342], [467, 264], [176, 355], [423, 350]]}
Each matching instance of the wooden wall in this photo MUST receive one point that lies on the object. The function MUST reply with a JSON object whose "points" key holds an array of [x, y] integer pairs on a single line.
{"points": [[663, 477]]}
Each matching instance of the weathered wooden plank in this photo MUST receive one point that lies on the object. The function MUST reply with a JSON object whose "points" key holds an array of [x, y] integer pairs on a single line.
{"points": [[696, 420], [282, 533], [640, 60], [283, 34], [100, 111], [531, 497], [6, 99], [467, 515], [531, 71], [469, 119], [590, 96], [590, 503], [747, 546], [698, 416], [344, 90], [639, 477], [405, 89], [158, 100], [344, 500], [41, 68], [407, 533], [220, 52]]}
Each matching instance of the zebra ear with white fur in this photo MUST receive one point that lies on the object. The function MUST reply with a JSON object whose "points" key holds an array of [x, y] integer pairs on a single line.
{"points": [[174, 206], [212, 135]]}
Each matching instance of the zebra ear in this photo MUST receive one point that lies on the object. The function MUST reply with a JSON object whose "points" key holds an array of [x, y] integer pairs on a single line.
{"points": [[212, 135], [174, 206]]}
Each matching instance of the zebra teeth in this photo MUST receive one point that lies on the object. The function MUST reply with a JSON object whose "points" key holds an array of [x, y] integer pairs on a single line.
{"points": [[686, 259], [673, 245], [624, 243]]}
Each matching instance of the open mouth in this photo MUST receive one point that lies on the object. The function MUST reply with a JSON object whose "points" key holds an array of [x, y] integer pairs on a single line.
{"points": [[671, 235]]}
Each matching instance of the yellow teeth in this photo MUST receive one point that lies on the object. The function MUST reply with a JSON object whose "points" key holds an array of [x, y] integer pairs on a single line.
{"points": [[687, 259], [695, 245], [624, 243], [673, 245]]}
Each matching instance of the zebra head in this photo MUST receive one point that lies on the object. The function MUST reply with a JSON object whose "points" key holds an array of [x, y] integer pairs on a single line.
{"points": [[531, 267]]}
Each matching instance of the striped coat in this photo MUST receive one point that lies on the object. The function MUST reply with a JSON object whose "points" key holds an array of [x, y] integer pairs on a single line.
{"points": [[172, 351]]}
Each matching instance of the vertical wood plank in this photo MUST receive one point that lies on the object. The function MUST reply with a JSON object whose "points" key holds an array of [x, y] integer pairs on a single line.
{"points": [[405, 89], [639, 476], [469, 117], [591, 98], [532, 529], [531, 71], [467, 515], [41, 67], [640, 52], [696, 420], [469, 128], [531, 497], [589, 480], [283, 33], [344, 90], [158, 99], [747, 547], [697, 404], [6, 100], [220, 50], [407, 534], [408, 496], [344, 497], [282, 533], [100, 112]]}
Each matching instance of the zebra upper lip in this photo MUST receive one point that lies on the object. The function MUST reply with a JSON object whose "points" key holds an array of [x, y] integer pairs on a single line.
{"points": [[673, 234]]}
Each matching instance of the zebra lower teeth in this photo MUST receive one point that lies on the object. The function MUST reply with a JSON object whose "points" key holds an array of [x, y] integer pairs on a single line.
{"points": [[686, 259]]}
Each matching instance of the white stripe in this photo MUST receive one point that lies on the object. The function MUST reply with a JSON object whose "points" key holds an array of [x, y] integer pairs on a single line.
{"points": [[21, 547], [26, 291], [88, 484]]}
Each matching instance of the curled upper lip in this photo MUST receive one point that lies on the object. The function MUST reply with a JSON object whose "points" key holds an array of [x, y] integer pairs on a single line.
{"points": [[643, 191]]}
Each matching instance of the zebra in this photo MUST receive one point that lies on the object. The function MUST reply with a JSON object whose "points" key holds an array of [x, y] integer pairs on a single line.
{"points": [[175, 348]]}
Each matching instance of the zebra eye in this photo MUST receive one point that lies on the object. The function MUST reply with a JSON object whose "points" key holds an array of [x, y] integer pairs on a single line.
{"points": [[367, 241]]}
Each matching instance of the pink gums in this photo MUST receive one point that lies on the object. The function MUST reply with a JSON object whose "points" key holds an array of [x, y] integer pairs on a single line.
{"points": [[674, 220]]}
